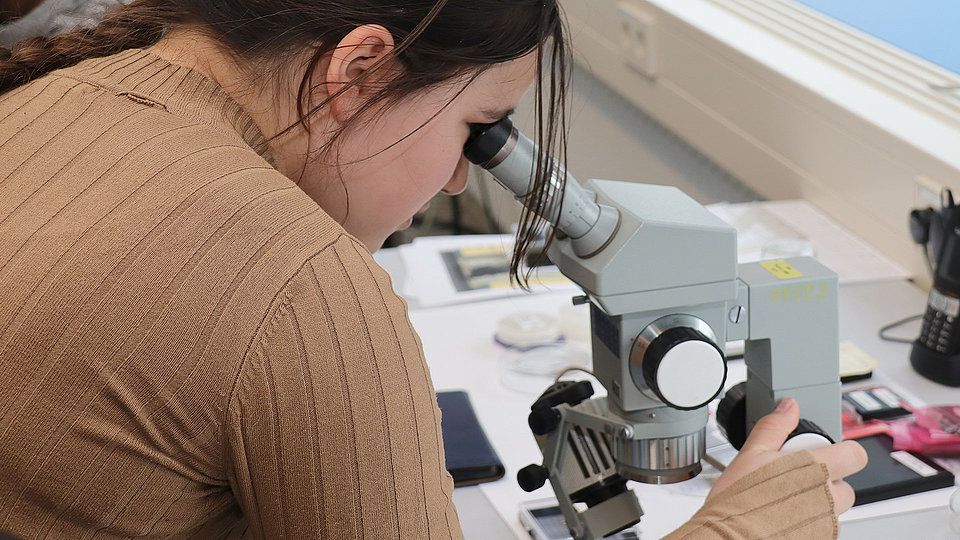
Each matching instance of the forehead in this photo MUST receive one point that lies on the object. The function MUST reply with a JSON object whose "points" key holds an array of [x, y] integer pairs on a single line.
{"points": [[505, 81], [484, 98]]}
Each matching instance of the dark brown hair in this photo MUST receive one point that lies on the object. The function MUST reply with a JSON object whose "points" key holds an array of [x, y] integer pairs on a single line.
{"points": [[438, 41]]}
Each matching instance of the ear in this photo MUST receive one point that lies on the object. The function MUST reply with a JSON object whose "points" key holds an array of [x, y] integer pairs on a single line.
{"points": [[363, 47]]}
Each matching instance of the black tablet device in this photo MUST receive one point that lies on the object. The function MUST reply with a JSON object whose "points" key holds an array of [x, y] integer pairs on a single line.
{"points": [[893, 473]]}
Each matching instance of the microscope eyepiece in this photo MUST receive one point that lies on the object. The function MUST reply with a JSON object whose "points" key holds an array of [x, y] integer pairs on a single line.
{"points": [[487, 140], [512, 160]]}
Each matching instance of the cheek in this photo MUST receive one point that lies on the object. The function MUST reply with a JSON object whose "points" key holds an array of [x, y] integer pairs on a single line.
{"points": [[390, 187], [436, 164]]}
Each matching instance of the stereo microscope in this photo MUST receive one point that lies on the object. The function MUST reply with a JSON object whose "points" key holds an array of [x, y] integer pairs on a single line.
{"points": [[666, 294]]}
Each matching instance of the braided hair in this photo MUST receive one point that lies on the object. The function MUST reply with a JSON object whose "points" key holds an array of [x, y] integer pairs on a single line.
{"points": [[140, 24]]}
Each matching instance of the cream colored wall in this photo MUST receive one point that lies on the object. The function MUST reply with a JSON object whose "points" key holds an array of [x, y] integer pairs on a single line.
{"points": [[782, 134], [610, 138]]}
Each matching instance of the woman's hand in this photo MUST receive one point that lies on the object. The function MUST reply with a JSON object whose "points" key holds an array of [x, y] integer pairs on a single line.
{"points": [[763, 446]]}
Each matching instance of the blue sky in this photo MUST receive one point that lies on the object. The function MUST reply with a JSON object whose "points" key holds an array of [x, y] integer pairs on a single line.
{"points": [[929, 29]]}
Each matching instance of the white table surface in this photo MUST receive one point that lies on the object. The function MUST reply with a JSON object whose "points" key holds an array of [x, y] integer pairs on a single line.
{"points": [[461, 354]]}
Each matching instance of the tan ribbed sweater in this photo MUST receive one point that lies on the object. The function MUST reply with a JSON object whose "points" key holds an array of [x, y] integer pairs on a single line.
{"points": [[191, 348]]}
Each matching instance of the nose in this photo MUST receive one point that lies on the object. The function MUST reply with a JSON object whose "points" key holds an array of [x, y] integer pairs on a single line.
{"points": [[457, 182]]}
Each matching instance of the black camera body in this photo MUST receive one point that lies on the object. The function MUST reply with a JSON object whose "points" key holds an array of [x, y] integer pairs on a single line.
{"points": [[935, 354]]}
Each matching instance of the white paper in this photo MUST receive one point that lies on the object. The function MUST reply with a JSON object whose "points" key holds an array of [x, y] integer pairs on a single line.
{"points": [[429, 283]]}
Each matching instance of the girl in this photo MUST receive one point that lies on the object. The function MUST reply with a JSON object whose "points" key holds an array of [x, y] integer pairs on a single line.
{"points": [[194, 338]]}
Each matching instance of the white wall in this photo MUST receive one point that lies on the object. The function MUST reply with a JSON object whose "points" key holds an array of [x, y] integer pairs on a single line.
{"points": [[610, 138], [791, 104]]}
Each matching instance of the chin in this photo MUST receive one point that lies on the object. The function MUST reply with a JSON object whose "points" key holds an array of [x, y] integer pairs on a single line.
{"points": [[372, 240]]}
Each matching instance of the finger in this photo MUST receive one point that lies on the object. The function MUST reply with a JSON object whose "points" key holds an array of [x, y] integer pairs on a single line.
{"points": [[841, 459], [772, 430], [843, 497]]}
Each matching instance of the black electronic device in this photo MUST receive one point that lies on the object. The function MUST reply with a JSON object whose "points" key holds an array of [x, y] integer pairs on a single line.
{"points": [[936, 352], [891, 473], [470, 458], [544, 521]]}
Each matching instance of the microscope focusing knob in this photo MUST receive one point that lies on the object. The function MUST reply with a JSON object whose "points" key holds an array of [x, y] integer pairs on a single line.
{"points": [[732, 415], [807, 436], [683, 367], [543, 420], [569, 392], [732, 420], [532, 477]]}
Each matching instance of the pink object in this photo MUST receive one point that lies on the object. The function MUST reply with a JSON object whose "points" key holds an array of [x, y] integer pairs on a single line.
{"points": [[934, 431]]}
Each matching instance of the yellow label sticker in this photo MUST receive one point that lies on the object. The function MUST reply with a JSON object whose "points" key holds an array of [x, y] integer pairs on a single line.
{"points": [[485, 250], [540, 280], [781, 270]]}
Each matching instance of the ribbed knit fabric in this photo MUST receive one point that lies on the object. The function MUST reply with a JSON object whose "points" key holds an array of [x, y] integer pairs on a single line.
{"points": [[787, 499], [189, 346]]}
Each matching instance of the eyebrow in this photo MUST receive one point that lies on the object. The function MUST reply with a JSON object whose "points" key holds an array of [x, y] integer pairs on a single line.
{"points": [[497, 114]]}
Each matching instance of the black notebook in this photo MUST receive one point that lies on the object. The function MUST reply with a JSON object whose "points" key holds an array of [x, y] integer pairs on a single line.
{"points": [[891, 473], [470, 457]]}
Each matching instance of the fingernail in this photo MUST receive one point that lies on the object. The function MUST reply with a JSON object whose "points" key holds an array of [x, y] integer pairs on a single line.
{"points": [[786, 404]]}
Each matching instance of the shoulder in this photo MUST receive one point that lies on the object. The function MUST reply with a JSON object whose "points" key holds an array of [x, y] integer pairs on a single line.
{"points": [[335, 332], [342, 288], [340, 309], [337, 384]]}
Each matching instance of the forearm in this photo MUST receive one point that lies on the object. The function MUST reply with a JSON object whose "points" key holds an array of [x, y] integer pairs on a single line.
{"points": [[787, 498]]}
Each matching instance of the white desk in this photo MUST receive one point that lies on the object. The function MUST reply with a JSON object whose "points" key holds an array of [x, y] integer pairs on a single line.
{"points": [[459, 347]]}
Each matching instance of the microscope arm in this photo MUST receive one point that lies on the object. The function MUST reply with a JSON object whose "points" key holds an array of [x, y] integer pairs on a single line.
{"points": [[786, 311]]}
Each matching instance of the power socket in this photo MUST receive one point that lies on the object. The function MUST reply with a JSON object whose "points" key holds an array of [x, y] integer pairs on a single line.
{"points": [[637, 38]]}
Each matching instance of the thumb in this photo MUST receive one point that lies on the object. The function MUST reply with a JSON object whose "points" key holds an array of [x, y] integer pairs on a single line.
{"points": [[772, 430]]}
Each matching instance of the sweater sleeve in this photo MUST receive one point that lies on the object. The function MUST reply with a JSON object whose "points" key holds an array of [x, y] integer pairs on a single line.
{"points": [[333, 429], [785, 499]]}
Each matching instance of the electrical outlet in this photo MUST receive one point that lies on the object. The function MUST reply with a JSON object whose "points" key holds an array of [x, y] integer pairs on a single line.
{"points": [[637, 38], [927, 193]]}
